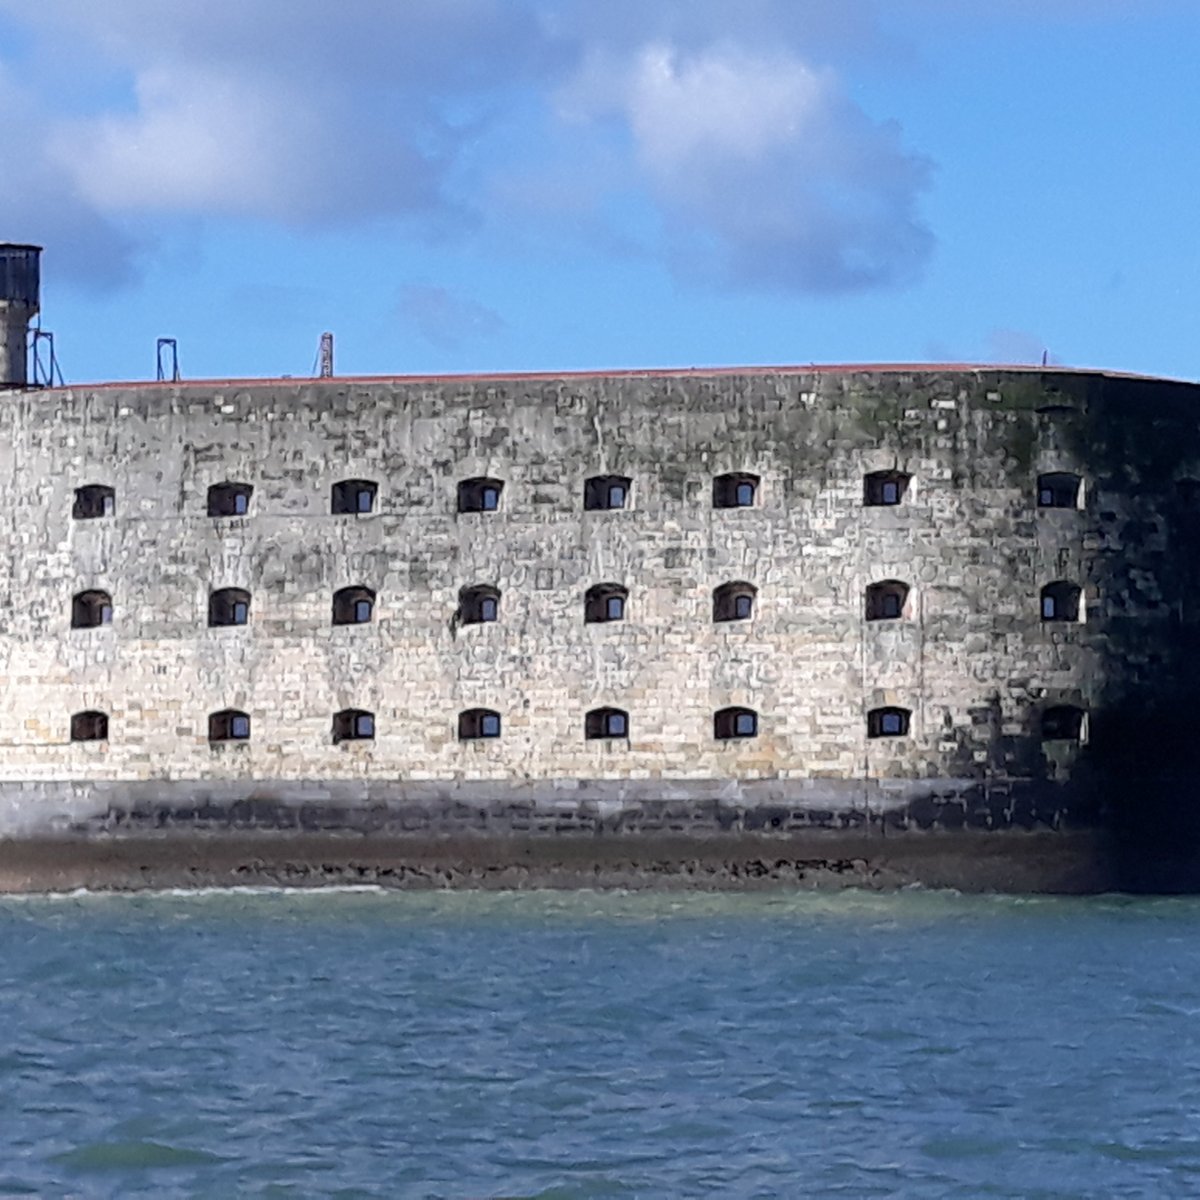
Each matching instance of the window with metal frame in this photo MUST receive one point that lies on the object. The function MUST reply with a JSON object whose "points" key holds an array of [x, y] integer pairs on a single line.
{"points": [[886, 600], [1063, 723], [888, 722], [1062, 601], [604, 602], [734, 601], [737, 489], [478, 604], [229, 499], [91, 609], [92, 501], [606, 492], [729, 723], [1059, 489], [353, 605], [606, 723], [229, 725], [885, 488], [479, 495], [353, 725], [353, 496], [478, 723], [229, 606], [89, 726]]}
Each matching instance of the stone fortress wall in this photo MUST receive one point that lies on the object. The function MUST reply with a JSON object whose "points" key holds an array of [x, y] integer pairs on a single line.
{"points": [[971, 662]]}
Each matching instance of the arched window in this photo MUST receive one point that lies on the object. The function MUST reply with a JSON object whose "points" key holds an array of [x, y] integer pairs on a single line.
{"points": [[229, 606], [735, 723], [734, 601], [353, 725], [606, 723], [1064, 723], [479, 495], [735, 490], [353, 606], [888, 722], [90, 609], [885, 487], [229, 725], [478, 604], [93, 500], [1062, 601], [353, 496], [1059, 489], [229, 499], [605, 602], [606, 492], [89, 726], [886, 600], [477, 723]]}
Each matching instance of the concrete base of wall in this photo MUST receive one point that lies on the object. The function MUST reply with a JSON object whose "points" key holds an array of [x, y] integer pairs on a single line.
{"points": [[451, 807], [1016, 836]]}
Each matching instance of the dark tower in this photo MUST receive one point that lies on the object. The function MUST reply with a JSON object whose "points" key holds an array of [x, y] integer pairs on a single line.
{"points": [[20, 272]]}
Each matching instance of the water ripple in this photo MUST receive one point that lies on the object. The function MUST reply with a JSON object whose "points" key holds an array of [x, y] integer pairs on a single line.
{"points": [[369, 1044]]}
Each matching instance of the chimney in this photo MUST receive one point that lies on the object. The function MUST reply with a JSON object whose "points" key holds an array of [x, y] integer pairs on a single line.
{"points": [[19, 285]]}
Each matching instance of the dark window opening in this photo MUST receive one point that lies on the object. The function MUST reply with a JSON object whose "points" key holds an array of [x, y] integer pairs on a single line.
{"points": [[94, 500], [1188, 491], [735, 490], [478, 605], [229, 725], [1064, 723], [229, 499], [1059, 489], [886, 600], [884, 488], [353, 606], [888, 722], [606, 723], [735, 723], [229, 606], [606, 492], [353, 496], [353, 725], [1061, 601], [734, 601], [89, 726], [479, 495], [90, 609], [604, 602], [478, 723]]}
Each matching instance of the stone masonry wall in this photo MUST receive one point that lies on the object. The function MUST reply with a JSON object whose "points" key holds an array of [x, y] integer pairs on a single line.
{"points": [[971, 659]]}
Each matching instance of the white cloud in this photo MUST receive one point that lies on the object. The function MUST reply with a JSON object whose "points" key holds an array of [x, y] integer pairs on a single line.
{"points": [[241, 108], [40, 201], [766, 172], [760, 169], [211, 142]]}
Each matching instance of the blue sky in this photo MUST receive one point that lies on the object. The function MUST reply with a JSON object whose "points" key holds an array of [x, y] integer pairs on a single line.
{"points": [[479, 185]]}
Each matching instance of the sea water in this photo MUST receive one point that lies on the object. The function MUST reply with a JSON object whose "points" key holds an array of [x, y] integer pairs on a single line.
{"points": [[598, 1045]]}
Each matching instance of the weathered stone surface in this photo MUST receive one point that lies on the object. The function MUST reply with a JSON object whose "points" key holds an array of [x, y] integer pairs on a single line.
{"points": [[971, 658]]}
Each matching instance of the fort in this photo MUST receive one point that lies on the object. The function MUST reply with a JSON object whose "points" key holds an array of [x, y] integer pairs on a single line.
{"points": [[868, 625]]}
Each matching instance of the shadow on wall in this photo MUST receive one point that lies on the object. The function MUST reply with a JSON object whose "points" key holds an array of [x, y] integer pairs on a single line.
{"points": [[1118, 751], [1139, 765]]}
